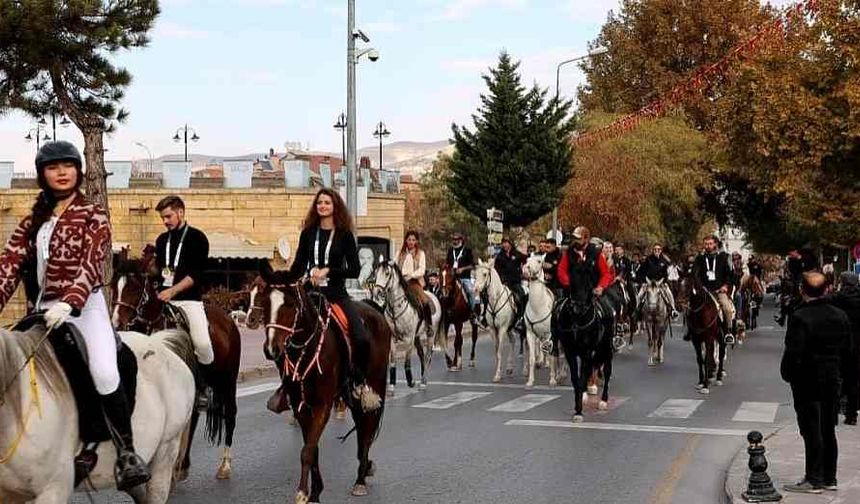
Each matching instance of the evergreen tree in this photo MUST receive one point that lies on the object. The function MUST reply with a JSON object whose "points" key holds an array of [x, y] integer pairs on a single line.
{"points": [[518, 158]]}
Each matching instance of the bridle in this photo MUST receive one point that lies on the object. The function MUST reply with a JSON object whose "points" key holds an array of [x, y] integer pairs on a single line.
{"points": [[293, 329], [138, 308], [388, 308]]}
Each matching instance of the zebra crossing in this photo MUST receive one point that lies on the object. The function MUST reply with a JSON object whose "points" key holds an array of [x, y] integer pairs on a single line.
{"points": [[669, 409]]}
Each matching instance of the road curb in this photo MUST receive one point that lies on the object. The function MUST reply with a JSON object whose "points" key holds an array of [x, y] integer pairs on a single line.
{"points": [[254, 373], [737, 472]]}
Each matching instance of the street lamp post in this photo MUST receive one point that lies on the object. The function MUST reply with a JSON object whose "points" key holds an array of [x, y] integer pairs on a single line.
{"points": [[352, 57], [185, 129], [39, 133], [597, 51], [380, 133], [341, 125], [64, 122], [148, 152]]}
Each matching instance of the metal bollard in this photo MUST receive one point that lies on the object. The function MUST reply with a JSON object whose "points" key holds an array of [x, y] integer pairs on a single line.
{"points": [[759, 487]]}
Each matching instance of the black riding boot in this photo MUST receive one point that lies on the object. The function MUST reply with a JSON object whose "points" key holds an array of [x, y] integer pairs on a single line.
{"points": [[205, 378], [130, 470], [409, 381]]}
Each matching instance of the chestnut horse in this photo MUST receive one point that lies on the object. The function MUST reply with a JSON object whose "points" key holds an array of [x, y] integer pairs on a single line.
{"points": [[455, 311], [136, 307], [307, 342]]}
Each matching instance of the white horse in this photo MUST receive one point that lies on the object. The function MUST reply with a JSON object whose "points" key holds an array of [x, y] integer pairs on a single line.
{"points": [[501, 313], [389, 291], [38, 417], [538, 318], [655, 319]]}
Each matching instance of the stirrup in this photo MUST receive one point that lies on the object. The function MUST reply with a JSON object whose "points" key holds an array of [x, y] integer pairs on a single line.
{"points": [[130, 471]]}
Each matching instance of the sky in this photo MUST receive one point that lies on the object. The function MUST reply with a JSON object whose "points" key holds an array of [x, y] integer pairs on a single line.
{"points": [[248, 75]]}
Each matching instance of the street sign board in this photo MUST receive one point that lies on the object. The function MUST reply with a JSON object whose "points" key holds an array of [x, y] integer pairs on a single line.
{"points": [[495, 238], [495, 227], [494, 214]]}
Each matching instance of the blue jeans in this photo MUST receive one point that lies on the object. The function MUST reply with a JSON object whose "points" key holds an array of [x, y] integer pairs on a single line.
{"points": [[468, 285]]}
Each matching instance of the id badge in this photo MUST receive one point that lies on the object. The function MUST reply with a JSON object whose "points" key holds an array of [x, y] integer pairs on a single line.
{"points": [[712, 276], [167, 277]]}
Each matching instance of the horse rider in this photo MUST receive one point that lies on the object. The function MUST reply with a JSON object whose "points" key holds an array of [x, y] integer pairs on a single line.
{"points": [[714, 273], [754, 267], [551, 259], [656, 268], [67, 238], [413, 265], [737, 277], [509, 265], [328, 254], [181, 256], [585, 257], [797, 263], [623, 265], [461, 261], [434, 286], [635, 268]]}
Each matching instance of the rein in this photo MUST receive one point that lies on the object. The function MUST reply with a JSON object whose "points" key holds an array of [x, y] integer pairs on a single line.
{"points": [[35, 404], [402, 301], [493, 308]]}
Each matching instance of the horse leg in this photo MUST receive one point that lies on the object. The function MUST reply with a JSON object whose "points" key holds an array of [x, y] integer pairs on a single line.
{"points": [[530, 362], [161, 465], [367, 424], [312, 424], [458, 346], [700, 363], [512, 341], [225, 468], [316, 477], [182, 474], [449, 362], [607, 374], [575, 382], [57, 492], [660, 343], [651, 343], [407, 370], [392, 369], [498, 341], [474, 342], [721, 373]]}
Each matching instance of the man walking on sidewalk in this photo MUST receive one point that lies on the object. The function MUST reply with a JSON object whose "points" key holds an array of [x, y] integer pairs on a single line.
{"points": [[817, 339], [848, 300]]}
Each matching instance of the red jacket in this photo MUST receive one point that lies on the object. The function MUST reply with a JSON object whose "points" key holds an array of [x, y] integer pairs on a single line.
{"points": [[78, 248], [606, 277]]}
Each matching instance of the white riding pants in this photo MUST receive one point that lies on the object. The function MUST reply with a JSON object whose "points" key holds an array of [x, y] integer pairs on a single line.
{"points": [[97, 331], [198, 326]]}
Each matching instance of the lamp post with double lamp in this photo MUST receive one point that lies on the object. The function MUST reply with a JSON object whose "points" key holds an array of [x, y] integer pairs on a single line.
{"points": [[185, 129], [38, 133], [380, 133], [597, 51], [353, 55]]}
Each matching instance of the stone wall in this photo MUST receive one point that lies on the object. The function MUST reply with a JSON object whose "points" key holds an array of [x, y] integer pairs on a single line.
{"points": [[259, 214]]}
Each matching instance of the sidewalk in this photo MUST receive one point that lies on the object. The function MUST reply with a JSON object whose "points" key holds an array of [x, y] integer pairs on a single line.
{"points": [[253, 364], [786, 465]]}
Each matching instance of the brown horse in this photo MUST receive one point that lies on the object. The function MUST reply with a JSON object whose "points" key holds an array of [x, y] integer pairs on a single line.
{"points": [[752, 295], [306, 341], [136, 307], [705, 326], [456, 311]]}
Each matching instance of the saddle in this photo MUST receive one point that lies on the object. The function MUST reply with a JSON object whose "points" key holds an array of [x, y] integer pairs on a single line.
{"points": [[71, 351]]}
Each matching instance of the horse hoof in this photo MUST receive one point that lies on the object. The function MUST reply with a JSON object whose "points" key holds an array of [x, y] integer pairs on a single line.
{"points": [[390, 392], [704, 391], [577, 419], [291, 420], [602, 405], [359, 491], [699, 386], [530, 384], [471, 363], [302, 498], [651, 363], [553, 383], [592, 390], [181, 474], [224, 472], [719, 383], [497, 379]]}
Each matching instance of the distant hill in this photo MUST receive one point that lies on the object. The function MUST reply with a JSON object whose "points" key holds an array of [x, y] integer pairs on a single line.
{"points": [[412, 158]]}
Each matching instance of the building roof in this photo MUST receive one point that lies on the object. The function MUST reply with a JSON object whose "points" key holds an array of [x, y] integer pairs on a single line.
{"points": [[235, 246]]}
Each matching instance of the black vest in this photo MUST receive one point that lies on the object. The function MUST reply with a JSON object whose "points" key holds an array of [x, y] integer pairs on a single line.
{"points": [[577, 270]]}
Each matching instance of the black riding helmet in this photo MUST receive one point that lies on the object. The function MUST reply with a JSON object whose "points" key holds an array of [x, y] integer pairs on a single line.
{"points": [[53, 152]]}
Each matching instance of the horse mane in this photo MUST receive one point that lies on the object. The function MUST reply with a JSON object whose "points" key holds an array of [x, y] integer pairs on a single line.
{"points": [[179, 342], [129, 267], [410, 296], [15, 347]]}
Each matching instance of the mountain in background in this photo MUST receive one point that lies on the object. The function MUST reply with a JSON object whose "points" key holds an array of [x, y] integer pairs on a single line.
{"points": [[411, 158]]}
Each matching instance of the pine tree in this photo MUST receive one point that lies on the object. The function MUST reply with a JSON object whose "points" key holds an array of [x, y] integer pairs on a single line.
{"points": [[518, 158]]}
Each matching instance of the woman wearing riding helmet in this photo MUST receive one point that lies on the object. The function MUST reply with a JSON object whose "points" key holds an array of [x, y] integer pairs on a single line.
{"points": [[69, 238]]}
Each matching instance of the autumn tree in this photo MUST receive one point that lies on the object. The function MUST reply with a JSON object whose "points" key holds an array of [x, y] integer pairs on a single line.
{"points": [[517, 157]]}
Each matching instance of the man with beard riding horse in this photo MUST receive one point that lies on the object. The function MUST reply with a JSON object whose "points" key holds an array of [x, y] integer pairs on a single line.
{"points": [[714, 273]]}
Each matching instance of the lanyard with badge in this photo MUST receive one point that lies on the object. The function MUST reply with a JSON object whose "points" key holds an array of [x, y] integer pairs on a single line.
{"points": [[169, 271], [711, 268], [457, 256], [323, 282]]}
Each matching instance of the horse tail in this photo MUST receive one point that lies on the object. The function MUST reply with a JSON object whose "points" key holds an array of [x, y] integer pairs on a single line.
{"points": [[216, 411]]}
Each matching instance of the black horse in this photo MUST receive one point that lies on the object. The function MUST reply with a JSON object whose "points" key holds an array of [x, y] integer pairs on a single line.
{"points": [[585, 326]]}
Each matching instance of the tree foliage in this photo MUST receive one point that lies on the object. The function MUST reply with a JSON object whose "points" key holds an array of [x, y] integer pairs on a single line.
{"points": [[518, 156], [641, 187], [436, 214]]}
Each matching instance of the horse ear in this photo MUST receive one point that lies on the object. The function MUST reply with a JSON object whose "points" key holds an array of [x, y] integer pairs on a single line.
{"points": [[266, 271]]}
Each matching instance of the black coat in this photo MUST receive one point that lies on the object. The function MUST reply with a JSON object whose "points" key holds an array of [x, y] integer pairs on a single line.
{"points": [[848, 300], [550, 261], [466, 260], [817, 340], [654, 268], [722, 270], [623, 267], [192, 260], [343, 260], [510, 267]]}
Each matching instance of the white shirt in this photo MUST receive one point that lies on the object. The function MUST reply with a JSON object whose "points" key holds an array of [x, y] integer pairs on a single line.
{"points": [[43, 248], [413, 268]]}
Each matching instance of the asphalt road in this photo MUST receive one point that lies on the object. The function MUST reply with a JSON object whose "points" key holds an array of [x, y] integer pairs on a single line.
{"points": [[659, 442]]}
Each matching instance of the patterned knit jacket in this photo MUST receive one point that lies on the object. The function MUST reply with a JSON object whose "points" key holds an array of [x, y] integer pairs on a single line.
{"points": [[78, 248]]}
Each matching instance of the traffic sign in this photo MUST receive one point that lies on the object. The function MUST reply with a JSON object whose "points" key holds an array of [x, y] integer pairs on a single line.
{"points": [[494, 214], [495, 227], [495, 238]]}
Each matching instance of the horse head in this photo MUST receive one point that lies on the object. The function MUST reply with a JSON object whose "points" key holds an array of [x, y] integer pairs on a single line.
{"points": [[256, 303], [653, 294], [134, 296], [275, 297], [483, 275], [534, 268]]}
